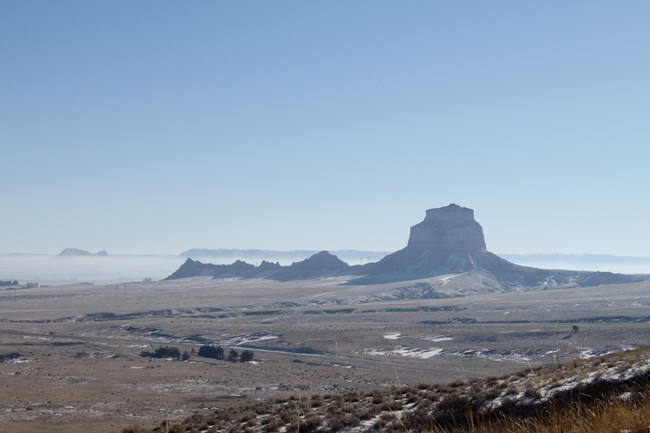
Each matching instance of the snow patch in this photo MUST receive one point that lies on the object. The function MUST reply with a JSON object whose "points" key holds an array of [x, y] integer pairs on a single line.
{"points": [[407, 351], [394, 336], [19, 361], [437, 338], [249, 338]]}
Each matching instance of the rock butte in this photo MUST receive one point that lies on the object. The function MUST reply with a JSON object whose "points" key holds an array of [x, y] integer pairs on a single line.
{"points": [[449, 228], [448, 241]]}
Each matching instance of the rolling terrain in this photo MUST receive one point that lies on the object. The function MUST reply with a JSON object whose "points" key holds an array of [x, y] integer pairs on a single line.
{"points": [[441, 310], [79, 367]]}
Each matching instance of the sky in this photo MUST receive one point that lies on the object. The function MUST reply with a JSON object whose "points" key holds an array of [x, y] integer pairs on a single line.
{"points": [[152, 127]]}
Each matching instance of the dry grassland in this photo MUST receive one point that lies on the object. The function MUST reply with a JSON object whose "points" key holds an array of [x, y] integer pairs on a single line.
{"points": [[80, 368]]}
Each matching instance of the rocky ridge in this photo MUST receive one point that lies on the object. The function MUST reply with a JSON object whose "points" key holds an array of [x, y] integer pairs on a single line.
{"points": [[322, 264], [449, 241]]}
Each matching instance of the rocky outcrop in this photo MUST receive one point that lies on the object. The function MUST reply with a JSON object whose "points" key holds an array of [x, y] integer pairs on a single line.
{"points": [[257, 255], [450, 229], [265, 270], [194, 268], [450, 241], [322, 264]]}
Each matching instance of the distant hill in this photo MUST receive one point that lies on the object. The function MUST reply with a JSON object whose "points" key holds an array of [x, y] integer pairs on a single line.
{"points": [[76, 252], [322, 264], [258, 255], [451, 241], [448, 242], [319, 265], [194, 268]]}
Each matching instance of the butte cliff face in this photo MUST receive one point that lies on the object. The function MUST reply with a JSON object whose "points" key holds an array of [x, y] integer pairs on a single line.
{"points": [[451, 228], [450, 241]]}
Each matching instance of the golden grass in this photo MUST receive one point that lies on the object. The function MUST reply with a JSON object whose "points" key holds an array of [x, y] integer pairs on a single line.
{"points": [[600, 417], [588, 405]]}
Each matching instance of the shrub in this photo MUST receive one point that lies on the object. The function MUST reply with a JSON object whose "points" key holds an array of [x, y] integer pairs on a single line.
{"points": [[246, 356], [340, 420], [492, 393], [177, 428], [391, 406], [233, 355], [163, 352], [454, 405], [215, 352], [312, 422], [420, 418], [532, 392], [273, 425], [287, 414], [197, 421]]}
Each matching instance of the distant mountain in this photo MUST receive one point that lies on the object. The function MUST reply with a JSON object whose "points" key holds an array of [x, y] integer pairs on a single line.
{"points": [[322, 264], [265, 270], [319, 265], [257, 255], [448, 242], [194, 268], [75, 252]]}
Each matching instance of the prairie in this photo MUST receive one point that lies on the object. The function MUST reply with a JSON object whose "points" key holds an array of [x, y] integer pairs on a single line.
{"points": [[77, 366]]}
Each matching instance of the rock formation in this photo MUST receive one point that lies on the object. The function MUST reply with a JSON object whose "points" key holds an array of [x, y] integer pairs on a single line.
{"points": [[264, 270], [450, 241], [319, 265], [322, 264], [194, 268], [451, 229]]}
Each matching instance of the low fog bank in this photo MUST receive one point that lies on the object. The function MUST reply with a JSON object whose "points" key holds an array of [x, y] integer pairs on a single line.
{"points": [[583, 262], [285, 258], [111, 269], [53, 270]]}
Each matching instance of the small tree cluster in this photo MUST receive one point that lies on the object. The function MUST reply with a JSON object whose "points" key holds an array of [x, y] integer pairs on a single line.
{"points": [[164, 352], [246, 356], [8, 283], [217, 352]]}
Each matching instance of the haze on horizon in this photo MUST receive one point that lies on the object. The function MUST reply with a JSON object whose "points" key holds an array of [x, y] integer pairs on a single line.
{"points": [[156, 127]]}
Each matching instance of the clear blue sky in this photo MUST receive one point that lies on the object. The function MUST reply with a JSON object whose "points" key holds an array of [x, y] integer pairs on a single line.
{"points": [[158, 126]]}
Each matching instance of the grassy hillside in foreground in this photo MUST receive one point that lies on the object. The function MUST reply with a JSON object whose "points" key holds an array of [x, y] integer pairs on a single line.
{"points": [[603, 394]]}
